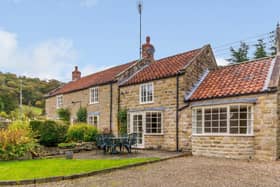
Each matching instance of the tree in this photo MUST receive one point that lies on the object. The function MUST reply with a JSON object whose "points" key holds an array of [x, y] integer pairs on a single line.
{"points": [[260, 49], [241, 54], [82, 115]]}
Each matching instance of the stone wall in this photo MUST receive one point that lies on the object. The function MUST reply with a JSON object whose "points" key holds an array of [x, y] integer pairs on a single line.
{"points": [[238, 147], [265, 137], [102, 108], [154, 141]]}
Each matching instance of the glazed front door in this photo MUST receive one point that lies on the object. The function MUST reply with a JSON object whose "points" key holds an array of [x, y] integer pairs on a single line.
{"points": [[137, 126]]}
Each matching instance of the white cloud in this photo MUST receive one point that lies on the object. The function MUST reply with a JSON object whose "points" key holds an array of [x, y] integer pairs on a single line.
{"points": [[48, 59], [90, 68], [222, 62], [88, 3]]}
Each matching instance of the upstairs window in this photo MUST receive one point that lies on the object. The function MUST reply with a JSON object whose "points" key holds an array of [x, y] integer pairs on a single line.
{"points": [[93, 95], [230, 119], [59, 101], [146, 93]]}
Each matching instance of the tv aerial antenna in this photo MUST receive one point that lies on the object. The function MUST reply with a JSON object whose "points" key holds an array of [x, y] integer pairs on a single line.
{"points": [[140, 9]]}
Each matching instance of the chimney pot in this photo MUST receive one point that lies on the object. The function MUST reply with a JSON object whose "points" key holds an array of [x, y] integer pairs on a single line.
{"points": [[148, 49], [148, 39], [76, 74]]}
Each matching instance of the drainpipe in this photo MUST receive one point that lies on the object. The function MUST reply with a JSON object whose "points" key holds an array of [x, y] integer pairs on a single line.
{"points": [[111, 105], [119, 103], [177, 112]]}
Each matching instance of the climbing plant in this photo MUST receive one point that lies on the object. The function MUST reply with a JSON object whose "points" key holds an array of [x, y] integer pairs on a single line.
{"points": [[122, 118]]}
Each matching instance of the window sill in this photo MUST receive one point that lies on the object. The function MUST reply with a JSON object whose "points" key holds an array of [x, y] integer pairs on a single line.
{"points": [[93, 103], [229, 135], [147, 103], [153, 134]]}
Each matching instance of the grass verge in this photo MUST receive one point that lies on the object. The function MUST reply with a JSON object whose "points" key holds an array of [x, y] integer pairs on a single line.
{"points": [[31, 169]]}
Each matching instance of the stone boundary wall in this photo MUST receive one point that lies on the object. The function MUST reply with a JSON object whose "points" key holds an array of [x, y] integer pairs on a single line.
{"points": [[238, 147], [54, 151]]}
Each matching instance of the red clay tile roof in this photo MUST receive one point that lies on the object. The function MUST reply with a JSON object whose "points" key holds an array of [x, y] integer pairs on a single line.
{"points": [[98, 78], [239, 79], [164, 67]]}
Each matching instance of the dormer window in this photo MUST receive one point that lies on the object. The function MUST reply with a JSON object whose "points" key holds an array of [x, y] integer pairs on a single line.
{"points": [[93, 95], [59, 101], [146, 93]]}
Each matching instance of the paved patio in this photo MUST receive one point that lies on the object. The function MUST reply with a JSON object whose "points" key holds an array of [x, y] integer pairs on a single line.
{"points": [[186, 171]]}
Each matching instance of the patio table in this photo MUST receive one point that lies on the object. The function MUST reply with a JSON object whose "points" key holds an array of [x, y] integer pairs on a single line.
{"points": [[117, 141]]}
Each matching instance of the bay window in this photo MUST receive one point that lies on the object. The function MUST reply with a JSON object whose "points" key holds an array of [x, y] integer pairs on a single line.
{"points": [[230, 119]]}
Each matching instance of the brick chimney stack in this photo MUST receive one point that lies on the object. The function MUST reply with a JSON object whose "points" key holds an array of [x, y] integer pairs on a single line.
{"points": [[148, 49], [76, 74]]}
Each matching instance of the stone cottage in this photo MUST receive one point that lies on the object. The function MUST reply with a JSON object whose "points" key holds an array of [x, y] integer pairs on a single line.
{"points": [[183, 102]]}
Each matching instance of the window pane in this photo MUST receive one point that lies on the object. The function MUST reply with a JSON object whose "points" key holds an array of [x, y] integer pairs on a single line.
{"points": [[207, 124], [223, 124], [234, 130], [243, 123], [215, 124], [234, 108], [207, 130]]}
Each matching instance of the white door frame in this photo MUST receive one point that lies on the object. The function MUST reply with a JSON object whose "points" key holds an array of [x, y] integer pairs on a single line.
{"points": [[143, 126]]}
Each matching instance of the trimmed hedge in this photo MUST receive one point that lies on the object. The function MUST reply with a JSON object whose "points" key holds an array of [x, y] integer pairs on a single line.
{"points": [[81, 132]]}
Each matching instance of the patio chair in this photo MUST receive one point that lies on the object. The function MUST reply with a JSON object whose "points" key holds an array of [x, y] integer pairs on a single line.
{"points": [[132, 140], [100, 143]]}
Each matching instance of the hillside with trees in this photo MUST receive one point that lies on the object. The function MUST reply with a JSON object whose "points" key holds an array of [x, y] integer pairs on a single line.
{"points": [[33, 90]]}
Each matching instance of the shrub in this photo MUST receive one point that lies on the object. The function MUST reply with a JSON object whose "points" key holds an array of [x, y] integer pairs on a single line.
{"points": [[81, 132], [67, 145], [36, 127], [82, 115], [16, 141], [52, 133], [20, 125], [64, 114]]}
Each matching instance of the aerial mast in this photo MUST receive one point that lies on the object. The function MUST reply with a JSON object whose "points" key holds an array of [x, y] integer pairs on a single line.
{"points": [[140, 8]]}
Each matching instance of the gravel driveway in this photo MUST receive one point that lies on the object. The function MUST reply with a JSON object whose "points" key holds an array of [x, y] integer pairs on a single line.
{"points": [[186, 171]]}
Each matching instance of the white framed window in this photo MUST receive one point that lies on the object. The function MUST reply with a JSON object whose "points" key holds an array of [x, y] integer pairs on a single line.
{"points": [[151, 122], [146, 94], [93, 120], [234, 119], [154, 123], [93, 95], [59, 101]]}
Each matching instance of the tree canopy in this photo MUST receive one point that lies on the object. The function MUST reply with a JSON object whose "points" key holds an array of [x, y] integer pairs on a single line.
{"points": [[260, 51], [240, 54], [33, 90]]}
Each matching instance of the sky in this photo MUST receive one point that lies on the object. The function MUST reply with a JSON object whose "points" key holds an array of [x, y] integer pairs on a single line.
{"points": [[47, 38]]}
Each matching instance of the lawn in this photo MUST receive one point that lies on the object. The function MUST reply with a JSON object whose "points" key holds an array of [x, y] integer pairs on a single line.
{"points": [[37, 111], [30, 169]]}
